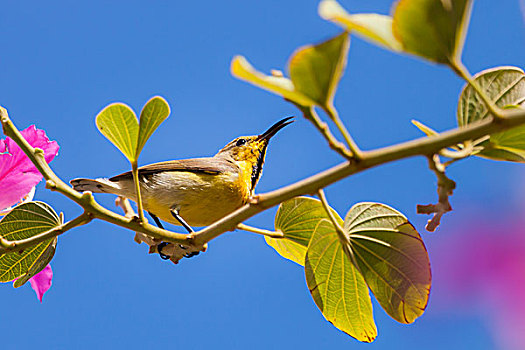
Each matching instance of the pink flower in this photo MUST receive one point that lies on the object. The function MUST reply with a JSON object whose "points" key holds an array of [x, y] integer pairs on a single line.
{"points": [[17, 174], [41, 282], [483, 267], [18, 178]]}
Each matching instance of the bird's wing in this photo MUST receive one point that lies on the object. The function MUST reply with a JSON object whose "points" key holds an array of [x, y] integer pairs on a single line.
{"points": [[212, 165]]}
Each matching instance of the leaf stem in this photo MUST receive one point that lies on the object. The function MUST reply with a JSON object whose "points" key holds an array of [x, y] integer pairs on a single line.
{"points": [[332, 113], [311, 115], [9, 246], [135, 173], [273, 234], [340, 231], [460, 69]]}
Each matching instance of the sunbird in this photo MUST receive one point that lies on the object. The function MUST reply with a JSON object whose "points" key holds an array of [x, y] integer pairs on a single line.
{"points": [[198, 191]]}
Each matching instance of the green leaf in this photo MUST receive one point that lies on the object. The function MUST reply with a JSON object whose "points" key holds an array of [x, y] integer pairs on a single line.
{"points": [[296, 219], [393, 259], [505, 86], [242, 69], [153, 114], [433, 29], [119, 124], [25, 221], [315, 70], [370, 26], [337, 287], [38, 265]]}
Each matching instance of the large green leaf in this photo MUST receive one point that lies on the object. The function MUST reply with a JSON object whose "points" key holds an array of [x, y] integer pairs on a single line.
{"points": [[315, 70], [297, 219], [119, 124], [371, 26], [25, 221], [390, 254], [505, 86], [433, 29], [337, 287], [242, 69], [153, 114]]}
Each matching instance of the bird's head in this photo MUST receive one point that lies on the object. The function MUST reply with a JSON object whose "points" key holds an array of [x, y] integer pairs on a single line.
{"points": [[249, 151]]}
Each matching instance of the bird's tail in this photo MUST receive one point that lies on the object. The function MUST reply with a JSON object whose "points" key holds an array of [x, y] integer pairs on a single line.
{"points": [[96, 185]]}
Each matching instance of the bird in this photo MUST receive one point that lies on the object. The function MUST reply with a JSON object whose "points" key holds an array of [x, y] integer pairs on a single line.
{"points": [[194, 192]]}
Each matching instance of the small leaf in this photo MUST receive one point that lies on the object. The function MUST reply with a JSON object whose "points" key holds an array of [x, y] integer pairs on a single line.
{"points": [[153, 114], [370, 26], [119, 124], [390, 254], [433, 29], [296, 219], [337, 287], [40, 263], [25, 221], [505, 86], [242, 69], [315, 70]]}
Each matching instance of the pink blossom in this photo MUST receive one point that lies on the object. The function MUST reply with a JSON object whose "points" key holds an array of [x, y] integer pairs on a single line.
{"points": [[17, 174], [41, 282], [18, 178], [483, 267]]}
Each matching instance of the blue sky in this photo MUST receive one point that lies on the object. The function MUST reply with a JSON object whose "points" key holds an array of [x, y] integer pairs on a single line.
{"points": [[61, 63]]}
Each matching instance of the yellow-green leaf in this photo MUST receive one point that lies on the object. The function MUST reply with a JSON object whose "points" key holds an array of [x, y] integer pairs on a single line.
{"points": [[432, 29], [242, 69], [315, 70], [296, 219], [41, 262], [504, 86], [337, 287], [153, 114], [119, 124], [25, 221], [370, 26], [392, 257]]}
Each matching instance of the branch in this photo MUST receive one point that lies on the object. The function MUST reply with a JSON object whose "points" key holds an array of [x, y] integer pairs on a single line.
{"points": [[423, 146], [7, 246], [445, 188], [86, 199]]}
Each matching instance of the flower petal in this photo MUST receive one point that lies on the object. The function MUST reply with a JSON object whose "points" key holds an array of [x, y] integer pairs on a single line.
{"points": [[17, 174], [41, 282]]}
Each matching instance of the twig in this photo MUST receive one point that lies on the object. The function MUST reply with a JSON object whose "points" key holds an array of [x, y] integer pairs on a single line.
{"points": [[273, 234], [311, 115], [445, 189], [332, 113]]}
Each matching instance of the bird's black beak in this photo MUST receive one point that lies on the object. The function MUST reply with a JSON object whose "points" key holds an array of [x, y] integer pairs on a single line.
{"points": [[268, 134]]}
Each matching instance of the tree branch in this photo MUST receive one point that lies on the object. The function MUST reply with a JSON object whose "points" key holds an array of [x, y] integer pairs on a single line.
{"points": [[423, 146], [86, 199]]}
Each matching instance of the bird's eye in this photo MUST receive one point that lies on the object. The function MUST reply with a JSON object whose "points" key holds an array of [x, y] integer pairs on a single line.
{"points": [[240, 142]]}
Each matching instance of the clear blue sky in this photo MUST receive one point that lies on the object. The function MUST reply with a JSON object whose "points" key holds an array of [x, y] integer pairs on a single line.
{"points": [[61, 63]]}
